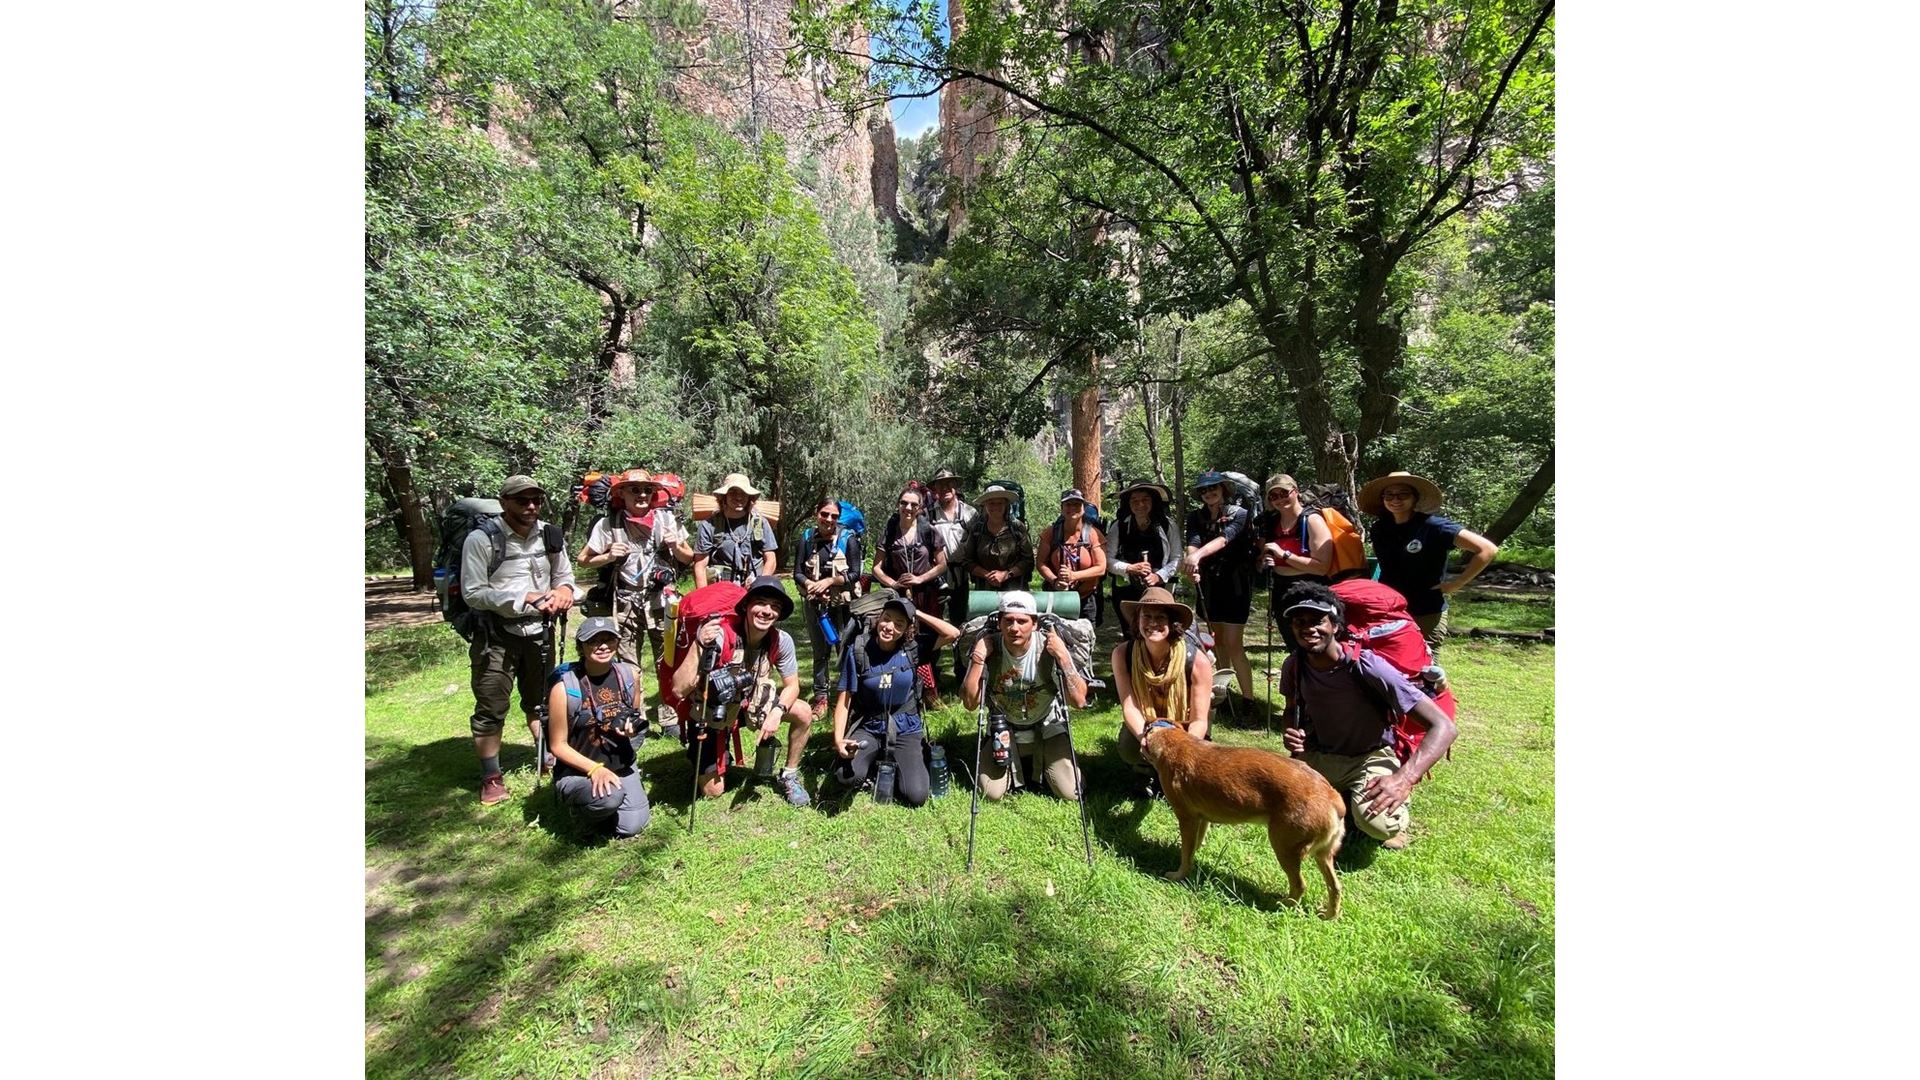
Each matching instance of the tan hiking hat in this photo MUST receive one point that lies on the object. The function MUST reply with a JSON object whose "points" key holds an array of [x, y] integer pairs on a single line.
{"points": [[737, 481], [1426, 493], [1157, 597]]}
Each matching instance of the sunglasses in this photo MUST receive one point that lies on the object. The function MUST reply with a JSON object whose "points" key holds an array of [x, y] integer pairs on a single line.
{"points": [[1279, 495], [829, 517], [530, 500], [1396, 495]]}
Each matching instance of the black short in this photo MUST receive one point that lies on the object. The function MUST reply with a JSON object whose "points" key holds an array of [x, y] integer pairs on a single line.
{"points": [[710, 749], [1226, 599]]}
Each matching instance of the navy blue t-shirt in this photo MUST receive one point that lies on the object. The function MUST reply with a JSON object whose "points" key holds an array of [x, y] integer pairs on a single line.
{"points": [[1413, 557], [887, 686]]}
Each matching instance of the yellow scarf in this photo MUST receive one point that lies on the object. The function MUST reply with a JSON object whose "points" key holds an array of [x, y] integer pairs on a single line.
{"points": [[1166, 687]]}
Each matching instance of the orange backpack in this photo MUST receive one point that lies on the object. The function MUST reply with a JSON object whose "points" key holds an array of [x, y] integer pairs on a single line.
{"points": [[1349, 550]]}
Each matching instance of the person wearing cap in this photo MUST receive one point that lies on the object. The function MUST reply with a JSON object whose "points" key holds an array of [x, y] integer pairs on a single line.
{"points": [[1295, 544], [825, 568], [1342, 704], [1412, 542], [641, 538], [765, 650], [875, 711], [1220, 564], [593, 769], [1141, 549], [997, 552], [533, 581], [1025, 673], [1161, 673], [1073, 554], [950, 516], [912, 560], [736, 543]]}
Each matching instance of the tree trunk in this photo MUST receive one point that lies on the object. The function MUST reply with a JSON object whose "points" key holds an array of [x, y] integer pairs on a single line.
{"points": [[1380, 344], [399, 477], [1523, 503], [1086, 434], [1176, 405], [1302, 372], [1149, 407]]}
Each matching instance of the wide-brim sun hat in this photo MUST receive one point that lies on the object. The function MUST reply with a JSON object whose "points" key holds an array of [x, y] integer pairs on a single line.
{"points": [[1143, 485], [634, 478], [995, 491], [765, 585], [738, 481], [945, 474], [1426, 493], [1157, 597]]}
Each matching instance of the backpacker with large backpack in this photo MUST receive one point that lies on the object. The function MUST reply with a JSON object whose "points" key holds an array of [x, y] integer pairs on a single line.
{"points": [[1378, 622], [458, 522], [684, 620], [1017, 507], [1334, 504]]}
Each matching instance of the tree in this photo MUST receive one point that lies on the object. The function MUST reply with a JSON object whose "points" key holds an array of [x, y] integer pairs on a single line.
{"points": [[1286, 154]]}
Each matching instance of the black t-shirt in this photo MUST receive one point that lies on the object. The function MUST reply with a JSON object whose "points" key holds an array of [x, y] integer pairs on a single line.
{"points": [[589, 730], [1232, 561], [1413, 558]]}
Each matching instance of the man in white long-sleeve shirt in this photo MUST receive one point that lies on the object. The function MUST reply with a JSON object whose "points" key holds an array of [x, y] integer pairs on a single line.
{"points": [[514, 572]]}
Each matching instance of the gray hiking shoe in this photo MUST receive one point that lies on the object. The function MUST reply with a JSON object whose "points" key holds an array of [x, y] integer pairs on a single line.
{"points": [[788, 784]]}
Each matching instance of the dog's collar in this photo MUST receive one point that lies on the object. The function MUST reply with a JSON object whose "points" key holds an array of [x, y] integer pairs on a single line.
{"points": [[1159, 723]]}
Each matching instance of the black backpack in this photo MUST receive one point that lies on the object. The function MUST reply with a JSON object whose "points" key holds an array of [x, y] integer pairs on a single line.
{"points": [[456, 524]]}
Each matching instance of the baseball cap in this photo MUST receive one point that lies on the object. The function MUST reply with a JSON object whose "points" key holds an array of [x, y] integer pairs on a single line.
{"points": [[1018, 602], [1310, 604], [519, 482], [599, 624]]}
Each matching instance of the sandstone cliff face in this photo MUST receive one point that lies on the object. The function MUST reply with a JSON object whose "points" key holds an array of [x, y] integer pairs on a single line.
{"points": [[970, 112], [736, 73]]}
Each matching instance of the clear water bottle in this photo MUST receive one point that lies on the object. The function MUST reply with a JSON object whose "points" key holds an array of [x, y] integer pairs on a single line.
{"points": [[940, 780], [883, 783]]}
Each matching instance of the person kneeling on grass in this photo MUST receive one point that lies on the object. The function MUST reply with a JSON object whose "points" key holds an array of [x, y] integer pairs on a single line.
{"points": [[1162, 674], [1343, 703], [1025, 673], [879, 693], [600, 697], [764, 649]]}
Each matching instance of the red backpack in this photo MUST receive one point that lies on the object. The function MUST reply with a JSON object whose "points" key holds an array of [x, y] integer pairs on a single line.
{"points": [[1377, 620], [714, 598]]}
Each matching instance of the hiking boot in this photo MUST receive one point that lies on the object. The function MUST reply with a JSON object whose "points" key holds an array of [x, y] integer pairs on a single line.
{"points": [[493, 789], [819, 705], [788, 785], [1396, 841], [1150, 786]]}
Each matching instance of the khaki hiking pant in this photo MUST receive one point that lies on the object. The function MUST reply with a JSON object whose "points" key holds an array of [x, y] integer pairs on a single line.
{"points": [[1348, 775], [1054, 755]]}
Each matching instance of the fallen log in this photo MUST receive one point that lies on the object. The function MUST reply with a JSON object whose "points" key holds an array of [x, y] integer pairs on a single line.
{"points": [[1545, 635]]}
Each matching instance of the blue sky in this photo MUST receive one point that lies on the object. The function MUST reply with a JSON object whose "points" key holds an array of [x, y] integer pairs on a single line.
{"points": [[917, 116]]}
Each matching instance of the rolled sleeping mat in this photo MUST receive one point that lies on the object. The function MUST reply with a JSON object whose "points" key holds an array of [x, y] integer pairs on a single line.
{"points": [[987, 601]]}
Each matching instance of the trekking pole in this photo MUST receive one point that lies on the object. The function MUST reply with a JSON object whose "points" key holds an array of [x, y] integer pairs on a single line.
{"points": [[540, 710], [708, 655], [1200, 605], [979, 731], [1269, 661], [1080, 793]]}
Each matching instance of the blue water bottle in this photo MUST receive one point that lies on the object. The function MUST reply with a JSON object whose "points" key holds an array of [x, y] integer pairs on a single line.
{"points": [[831, 632]]}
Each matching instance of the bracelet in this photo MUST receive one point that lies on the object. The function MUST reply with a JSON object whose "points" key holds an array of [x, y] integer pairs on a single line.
{"points": [[597, 766]]}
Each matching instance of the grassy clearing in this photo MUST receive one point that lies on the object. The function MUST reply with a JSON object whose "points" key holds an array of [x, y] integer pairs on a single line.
{"points": [[846, 939]]}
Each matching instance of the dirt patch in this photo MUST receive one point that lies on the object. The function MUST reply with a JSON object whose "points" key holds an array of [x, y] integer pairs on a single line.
{"points": [[392, 602]]}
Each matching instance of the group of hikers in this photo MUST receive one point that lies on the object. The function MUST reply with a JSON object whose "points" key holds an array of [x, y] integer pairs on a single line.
{"points": [[1365, 701]]}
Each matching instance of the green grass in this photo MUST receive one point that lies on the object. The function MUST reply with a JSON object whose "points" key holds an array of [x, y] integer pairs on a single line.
{"points": [[847, 940]]}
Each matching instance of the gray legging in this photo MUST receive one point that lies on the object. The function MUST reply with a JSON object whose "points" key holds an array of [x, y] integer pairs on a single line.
{"points": [[626, 804], [911, 783]]}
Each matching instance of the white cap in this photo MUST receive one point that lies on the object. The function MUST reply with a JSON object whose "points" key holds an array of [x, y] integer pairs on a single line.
{"points": [[1018, 602]]}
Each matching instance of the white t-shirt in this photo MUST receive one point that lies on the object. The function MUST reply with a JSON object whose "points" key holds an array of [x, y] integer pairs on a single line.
{"points": [[645, 543]]}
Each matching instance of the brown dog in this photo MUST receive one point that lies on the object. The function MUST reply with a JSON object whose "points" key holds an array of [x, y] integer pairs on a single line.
{"points": [[1232, 785]]}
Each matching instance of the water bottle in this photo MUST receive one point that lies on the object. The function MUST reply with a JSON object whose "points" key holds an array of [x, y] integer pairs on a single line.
{"points": [[883, 783], [766, 757], [940, 781], [828, 630], [441, 579]]}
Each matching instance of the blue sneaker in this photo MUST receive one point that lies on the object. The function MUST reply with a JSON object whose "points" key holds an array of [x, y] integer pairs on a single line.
{"points": [[788, 784]]}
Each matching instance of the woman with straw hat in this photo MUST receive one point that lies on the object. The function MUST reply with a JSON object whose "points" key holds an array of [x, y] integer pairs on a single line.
{"points": [[1412, 542], [1220, 564], [1142, 553], [1162, 673], [639, 538], [997, 552]]}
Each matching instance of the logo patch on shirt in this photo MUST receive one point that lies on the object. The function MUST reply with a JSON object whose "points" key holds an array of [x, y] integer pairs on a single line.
{"points": [[1414, 546]]}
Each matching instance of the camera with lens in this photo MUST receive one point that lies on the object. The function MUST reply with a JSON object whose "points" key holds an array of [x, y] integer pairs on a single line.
{"points": [[627, 722], [726, 687], [660, 577]]}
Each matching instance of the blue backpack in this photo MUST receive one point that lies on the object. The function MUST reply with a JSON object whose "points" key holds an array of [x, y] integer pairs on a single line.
{"points": [[852, 523]]}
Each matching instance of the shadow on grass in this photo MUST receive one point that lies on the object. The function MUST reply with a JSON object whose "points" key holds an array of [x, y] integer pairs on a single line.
{"points": [[1014, 980]]}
